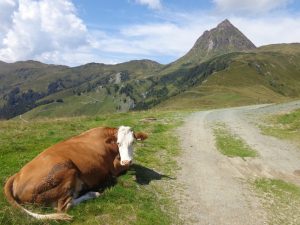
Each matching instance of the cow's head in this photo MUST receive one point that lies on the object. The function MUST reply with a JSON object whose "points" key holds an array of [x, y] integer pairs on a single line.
{"points": [[125, 139]]}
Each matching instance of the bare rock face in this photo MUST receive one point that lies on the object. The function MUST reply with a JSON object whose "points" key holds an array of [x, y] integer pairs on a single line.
{"points": [[225, 38]]}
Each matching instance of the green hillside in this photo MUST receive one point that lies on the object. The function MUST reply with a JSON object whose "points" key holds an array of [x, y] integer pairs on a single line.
{"points": [[29, 85], [268, 74]]}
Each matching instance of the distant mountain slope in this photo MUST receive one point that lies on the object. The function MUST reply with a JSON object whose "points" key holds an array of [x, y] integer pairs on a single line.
{"points": [[29, 84], [267, 74], [36, 75]]}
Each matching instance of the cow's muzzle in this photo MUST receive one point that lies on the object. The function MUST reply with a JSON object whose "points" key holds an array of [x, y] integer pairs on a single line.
{"points": [[126, 162]]}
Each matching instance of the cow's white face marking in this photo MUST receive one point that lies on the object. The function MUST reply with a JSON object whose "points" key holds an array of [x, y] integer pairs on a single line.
{"points": [[125, 141]]}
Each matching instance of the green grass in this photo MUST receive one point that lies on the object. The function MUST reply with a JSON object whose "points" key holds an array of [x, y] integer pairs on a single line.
{"points": [[213, 96], [280, 199], [137, 198], [284, 126], [231, 145]]}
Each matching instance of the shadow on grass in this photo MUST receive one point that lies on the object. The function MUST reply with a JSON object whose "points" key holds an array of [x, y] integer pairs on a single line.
{"points": [[145, 175]]}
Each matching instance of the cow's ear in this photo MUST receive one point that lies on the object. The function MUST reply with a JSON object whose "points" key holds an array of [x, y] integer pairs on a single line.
{"points": [[140, 136], [111, 140]]}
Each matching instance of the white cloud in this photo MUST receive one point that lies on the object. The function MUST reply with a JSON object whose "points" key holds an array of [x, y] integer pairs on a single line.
{"points": [[157, 40], [164, 38], [153, 4], [7, 7], [269, 30], [252, 6], [37, 28]]}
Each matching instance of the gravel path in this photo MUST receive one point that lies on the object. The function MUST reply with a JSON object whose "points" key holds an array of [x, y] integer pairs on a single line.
{"points": [[215, 188]]}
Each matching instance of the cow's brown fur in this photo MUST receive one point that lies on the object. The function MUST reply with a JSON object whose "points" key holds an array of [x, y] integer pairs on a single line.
{"points": [[57, 175]]}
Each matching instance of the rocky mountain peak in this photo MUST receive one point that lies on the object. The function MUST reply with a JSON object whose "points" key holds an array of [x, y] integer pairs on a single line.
{"points": [[225, 24], [224, 38]]}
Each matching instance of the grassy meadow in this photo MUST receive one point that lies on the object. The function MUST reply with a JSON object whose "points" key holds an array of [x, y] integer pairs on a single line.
{"points": [[136, 198]]}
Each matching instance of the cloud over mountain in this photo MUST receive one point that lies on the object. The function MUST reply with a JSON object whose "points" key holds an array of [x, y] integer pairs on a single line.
{"points": [[254, 6]]}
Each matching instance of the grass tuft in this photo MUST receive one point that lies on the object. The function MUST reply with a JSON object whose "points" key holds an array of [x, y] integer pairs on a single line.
{"points": [[231, 145]]}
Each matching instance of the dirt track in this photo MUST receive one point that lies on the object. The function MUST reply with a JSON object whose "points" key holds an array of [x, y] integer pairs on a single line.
{"points": [[214, 187]]}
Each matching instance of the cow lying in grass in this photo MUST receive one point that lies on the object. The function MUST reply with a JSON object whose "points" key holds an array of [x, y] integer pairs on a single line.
{"points": [[78, 165]]}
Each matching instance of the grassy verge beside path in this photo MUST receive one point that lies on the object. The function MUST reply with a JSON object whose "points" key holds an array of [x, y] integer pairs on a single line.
{"points": [[280, 199], [284, 126]]}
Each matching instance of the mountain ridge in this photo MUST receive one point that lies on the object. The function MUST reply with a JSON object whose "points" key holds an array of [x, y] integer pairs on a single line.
{"points": [[57, 90]]}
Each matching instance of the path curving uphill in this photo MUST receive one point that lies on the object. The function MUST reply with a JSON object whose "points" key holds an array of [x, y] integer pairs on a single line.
{"points": [[215, 188]]}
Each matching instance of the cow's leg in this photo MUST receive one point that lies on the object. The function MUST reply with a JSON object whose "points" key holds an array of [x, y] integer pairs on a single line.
{"points": [[85, 197], [73, 186], [63, 204], [60, 187]]}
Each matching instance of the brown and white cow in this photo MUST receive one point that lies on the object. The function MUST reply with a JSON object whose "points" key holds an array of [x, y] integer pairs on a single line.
{"points": [[78, 165]]}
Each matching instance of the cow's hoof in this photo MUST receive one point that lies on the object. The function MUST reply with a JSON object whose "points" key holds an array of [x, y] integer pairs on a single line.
{"points": [[66, 217], [69, 205], [94, 194]]}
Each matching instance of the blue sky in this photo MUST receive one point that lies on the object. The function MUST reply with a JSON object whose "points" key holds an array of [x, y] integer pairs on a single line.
{"points": [[75, 32]]}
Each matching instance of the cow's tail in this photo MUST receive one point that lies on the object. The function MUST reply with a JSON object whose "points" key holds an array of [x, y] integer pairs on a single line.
{"points": [[8, 189]]}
